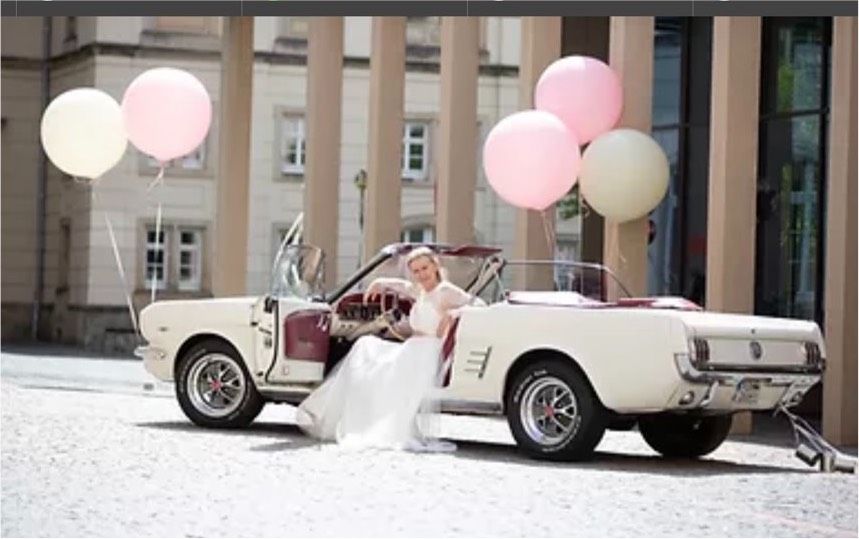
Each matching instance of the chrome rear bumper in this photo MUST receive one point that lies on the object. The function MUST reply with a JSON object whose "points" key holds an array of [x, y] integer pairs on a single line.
{"points": [[728, 389]]}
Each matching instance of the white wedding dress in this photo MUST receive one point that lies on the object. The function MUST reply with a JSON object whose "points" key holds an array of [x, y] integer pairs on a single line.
{"points": [[378, 395]]}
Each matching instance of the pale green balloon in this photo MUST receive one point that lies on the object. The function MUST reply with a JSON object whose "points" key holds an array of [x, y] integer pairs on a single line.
{"points": [[624, 175]]}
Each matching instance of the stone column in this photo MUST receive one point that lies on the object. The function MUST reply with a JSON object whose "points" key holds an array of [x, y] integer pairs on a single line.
{"points": [[384, 181], [322, 169], [731, 211], [457, 156], [588, 36], [631, 56], [839, 383], [540, 46], [229, 275]]}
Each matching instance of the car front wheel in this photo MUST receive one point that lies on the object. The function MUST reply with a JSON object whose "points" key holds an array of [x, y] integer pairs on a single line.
{"points": [[554, 413], [214, 389], [685, 436]]}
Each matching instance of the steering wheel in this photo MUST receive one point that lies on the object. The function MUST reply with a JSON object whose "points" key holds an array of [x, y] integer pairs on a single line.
{"points": [[390, 316]]}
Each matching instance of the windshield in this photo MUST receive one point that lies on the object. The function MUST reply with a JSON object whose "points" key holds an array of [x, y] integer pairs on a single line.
{"points": [[298, 272], [590, 280]]}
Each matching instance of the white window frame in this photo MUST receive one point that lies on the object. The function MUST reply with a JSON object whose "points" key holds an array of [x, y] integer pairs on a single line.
{"points": [[410, 141], [427, 233], [164, 247], [194, 283], [299, 134]]}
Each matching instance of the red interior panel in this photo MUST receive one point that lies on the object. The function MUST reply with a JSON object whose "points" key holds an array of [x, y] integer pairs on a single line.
{"points": [[667, 302], [305, 335], [569, 299], [447, 349]]}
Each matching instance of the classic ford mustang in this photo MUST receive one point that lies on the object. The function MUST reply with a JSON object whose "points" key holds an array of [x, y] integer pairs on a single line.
{"points": [[559, 348]]}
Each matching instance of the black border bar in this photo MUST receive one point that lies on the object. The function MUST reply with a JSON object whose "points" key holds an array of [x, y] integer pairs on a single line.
{"points": [[585, 8]]}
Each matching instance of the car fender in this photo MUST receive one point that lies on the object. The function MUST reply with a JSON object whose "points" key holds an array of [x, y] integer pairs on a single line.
{"points": [[627, 355]]}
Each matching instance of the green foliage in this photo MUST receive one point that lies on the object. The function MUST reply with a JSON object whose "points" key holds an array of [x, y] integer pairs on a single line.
{"points": [[570, 205]]}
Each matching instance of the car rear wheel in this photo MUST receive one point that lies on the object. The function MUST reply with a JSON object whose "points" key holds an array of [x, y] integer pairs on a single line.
{"points": [[554, 413], [685, 436], [214, 389]]}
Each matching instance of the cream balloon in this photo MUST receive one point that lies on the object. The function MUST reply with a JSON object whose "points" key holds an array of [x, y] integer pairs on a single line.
{"points": [[83, 133], [624, 175]]}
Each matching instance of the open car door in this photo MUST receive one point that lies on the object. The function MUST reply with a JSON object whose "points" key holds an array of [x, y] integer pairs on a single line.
{"points": [[292, 323]]}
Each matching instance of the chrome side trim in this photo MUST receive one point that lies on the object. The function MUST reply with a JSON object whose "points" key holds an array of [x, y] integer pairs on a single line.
{"points": [[477, 361], [292, 395], [150, 352], [451, 406]]}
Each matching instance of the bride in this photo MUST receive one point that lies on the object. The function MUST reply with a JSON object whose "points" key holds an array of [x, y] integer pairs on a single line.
{"points": [[374, 396]]}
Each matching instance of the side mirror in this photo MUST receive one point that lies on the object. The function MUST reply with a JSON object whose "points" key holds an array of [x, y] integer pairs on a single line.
{"points": [[268, 306]]}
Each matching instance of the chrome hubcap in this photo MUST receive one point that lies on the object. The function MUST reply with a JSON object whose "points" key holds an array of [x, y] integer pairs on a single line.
{"points": [[549, 411], [216, 385]]}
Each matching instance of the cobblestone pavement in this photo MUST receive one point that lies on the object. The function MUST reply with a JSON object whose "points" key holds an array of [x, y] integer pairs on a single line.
{"points": [[88, 451]]}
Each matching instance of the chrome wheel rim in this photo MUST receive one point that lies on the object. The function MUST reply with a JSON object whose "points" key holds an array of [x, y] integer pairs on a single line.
{"points": [[549, 411], [216, 385]]}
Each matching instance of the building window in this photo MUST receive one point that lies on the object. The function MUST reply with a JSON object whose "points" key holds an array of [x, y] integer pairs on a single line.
{"points": [[415, 150], [792, 167], [156, 258], [176, 260], [423, 31], [190, 266], [418, 234], [294, 27], [677, 248], [292, 145], [567, 250], [188, 25], [194, 161]]}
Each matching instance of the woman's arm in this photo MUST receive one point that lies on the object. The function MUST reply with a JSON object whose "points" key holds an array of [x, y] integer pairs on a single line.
{"points": [[452, 298], [400, 286]]}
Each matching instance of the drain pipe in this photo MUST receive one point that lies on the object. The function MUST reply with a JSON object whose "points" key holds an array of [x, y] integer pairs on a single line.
{"points": [[41, 190]]}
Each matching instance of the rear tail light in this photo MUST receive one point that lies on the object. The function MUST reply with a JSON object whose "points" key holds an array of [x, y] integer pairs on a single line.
{"points": [[813, 356], [700, 352]]}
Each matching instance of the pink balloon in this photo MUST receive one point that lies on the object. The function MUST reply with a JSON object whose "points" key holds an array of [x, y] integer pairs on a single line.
{"points": [[167, 112], [584, 93], [531, 159]]}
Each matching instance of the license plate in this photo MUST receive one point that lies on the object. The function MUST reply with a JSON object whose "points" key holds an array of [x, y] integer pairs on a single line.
{"points": [[747, 392]]}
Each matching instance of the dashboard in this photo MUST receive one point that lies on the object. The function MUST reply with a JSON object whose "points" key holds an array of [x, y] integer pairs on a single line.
{"points": [[352, 318], [352, 308]]}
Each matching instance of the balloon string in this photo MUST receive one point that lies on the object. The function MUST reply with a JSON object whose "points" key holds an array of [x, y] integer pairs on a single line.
{"points": [[116, 256], [159, 180], [547, 229]]}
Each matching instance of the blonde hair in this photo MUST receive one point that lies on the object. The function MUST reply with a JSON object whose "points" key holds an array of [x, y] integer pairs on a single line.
{"points": [[426, 252]]}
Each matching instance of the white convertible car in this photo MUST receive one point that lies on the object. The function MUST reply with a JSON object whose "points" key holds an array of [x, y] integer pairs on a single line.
{"points": [[563, 366]]}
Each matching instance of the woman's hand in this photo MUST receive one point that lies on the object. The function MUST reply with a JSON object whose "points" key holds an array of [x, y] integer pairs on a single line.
{"points": [[372, 292]]}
